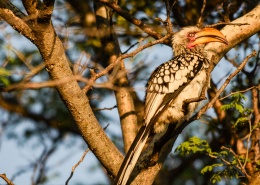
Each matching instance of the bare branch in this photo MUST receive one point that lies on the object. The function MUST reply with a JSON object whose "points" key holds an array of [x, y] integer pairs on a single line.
{"points": [[232, 61], [226, 11], [111, 49], [226, 23], [235, 34], [30, 6], [125, 14], [222, 88], [105, 108], [240, 167], [199, 23], [168, 18], [3, 176], [76, 165], [255, 146], [37, 85], [242, 91], [14, 17], [119, 59], [80, 161], [255, 100]]}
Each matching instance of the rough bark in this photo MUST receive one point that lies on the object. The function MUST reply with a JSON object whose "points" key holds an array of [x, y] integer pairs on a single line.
{"points": [[43, 35], [255, 179], [124, 99]]}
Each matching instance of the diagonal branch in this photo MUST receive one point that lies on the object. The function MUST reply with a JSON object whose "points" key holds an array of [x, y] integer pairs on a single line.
{"points": [[30, 7], [9, 182], [125, 14], [15, 18], [199, 23], [235, 34], [119, 59], [222, 88]]}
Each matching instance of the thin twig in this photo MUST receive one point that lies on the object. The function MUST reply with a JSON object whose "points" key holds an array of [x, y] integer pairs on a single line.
{"points": [[248, 142], [80, 161], [222, 88], [105, 108], [37, 85], [242, 91], [168, 18], [119, 59], [232, 61], [226, 23], [133, 45], [76, 165], [130, 18], [240, 167], [201, 13], [3, 176], [226, 11]]}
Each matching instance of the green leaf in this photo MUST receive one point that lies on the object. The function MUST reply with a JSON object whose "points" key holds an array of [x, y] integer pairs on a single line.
{"points": [[4, 72], [241, 120], [226, 107], [239, 107], [215, 178], [236, 103], [4, 81], [223, 153], [210, 168], [194, 145]]}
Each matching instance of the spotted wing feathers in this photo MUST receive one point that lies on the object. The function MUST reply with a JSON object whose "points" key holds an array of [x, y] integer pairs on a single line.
{"points": [[168, 80]]}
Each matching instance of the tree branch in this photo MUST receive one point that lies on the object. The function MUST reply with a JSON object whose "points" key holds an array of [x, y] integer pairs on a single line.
{"points": [[111, 49], [30, 7], [199, 23], [222, 88], [76, 100], [46, 11], [15, 18], [235, 34], [3, 176], [57, 65], [125, 14], [119, 59]]}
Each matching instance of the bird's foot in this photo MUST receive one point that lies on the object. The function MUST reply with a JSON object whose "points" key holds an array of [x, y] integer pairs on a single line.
{"points": [[191, 100]]}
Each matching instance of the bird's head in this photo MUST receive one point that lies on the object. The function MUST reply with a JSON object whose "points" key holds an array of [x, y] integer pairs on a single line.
{"points": [[194, 38]]}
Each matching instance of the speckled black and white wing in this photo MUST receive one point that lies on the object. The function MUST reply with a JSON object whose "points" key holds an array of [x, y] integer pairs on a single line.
{"points": [[169, 79]]}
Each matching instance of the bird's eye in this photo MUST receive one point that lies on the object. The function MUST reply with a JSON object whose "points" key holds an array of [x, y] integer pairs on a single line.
{"points": [[191, 35]]}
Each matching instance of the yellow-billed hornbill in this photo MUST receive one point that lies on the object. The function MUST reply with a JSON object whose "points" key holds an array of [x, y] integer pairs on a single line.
{"points": [[172, 83]]}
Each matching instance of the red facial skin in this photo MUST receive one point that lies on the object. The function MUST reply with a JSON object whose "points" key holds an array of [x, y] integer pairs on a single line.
{"points": [[191, 37]]}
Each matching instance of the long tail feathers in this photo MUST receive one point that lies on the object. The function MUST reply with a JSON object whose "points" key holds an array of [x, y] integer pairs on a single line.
{"points": [[132, 156]]}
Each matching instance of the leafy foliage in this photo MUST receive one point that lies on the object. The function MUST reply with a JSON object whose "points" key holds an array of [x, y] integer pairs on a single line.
{"points": [[229, 165], [237, 104], [4, 74]]}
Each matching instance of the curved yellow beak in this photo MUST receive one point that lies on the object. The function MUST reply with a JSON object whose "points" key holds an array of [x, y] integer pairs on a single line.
{"points": [[207, 35]]}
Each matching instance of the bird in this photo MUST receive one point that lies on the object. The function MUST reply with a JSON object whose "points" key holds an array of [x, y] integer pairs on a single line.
{"points": [[171, 84]]}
